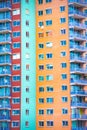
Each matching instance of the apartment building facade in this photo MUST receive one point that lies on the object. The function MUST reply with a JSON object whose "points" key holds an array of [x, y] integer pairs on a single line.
{"points": [[43, 64]]}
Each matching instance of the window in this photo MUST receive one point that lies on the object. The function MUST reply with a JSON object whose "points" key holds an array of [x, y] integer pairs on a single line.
{"points": [[27, 44], [15, 124], [16, 67], [41, 89], [40, 45], [41, 100], [15, 112], [27, 34], [27, 89], [27, 67], [48, 22], [49, 44], [16, 100], [64, 76], [50, 111], [41, 78], [63, 43], [27, 11], [48, 11], [27, 124], [16, 56], [49, 66], [63, 31], [64, 110], [41, 112], [16, 1], [62, 20], [16, 23], [64, 87], [16, 45], [40, 1], [41, 67], [40, 24], [64, 99], [27, 100], [16, 78], [47, 1], [27, 112], [16, 12], [63, 53], [16, 89], [41, 123], [16, 34], [49, 89], [40, 12], [63, 65], [49, 77], [27, 56], [27, 77], [49, 33], [62, 8], [50, 100], [64, 123], [50, 123], [40, 35], [41, 56], [49, 55], [27, 22]]}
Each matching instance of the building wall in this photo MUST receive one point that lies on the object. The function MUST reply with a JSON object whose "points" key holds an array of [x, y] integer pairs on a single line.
{"points": [[55, 37]]}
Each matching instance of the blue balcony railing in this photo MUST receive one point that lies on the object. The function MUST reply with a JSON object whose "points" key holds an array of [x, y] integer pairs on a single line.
{"points": [[79, 128], [5, 28], [78, 47], [78, 13], [4, 117], [79, 70], [4, 95], [82, 92], [5, 62], [81, 104], [5, 72], [5, 39], [77, 36], [79, 25], [82, 2], [78, 59], [78, 81], [5, 5], [5, 106], [5, 50], [4, 128], [8, 17], [5, 83], [79, 116]]}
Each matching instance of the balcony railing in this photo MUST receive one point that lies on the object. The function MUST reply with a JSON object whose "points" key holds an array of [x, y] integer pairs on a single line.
{"points": [[77, 36], [79, 128], [77, 59], [5, 62], [84, 93], [8, 40], [4, 95], [78, 70], [78, 13], [5, 106], [4, 128], [4, 29], [78, 82], [5, 72], [5, 50], [81, 2], [6, 83], [78, 47], [81, 104], [4, 117], [78, 25], [79, 116], [4, 18]]}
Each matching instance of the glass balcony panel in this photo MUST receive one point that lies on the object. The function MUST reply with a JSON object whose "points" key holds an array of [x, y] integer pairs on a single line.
{"points": [[82, 2], [79, 116], [77, 36], [79, 25], [5, 106], [78, 81], [4, 128], [79, 70], [5, 39], [78, 47], [79, 59], [5, 50], [81, 92], [4, 28], [78, 13], [80, 128], [81, 104]]}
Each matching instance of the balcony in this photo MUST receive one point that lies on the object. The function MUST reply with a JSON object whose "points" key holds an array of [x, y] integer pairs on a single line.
{"points": [[5, 62], [5, 40], [5, 106], [78, 48], [79, 117], [5, 84], [5, 29], [4, 95], [5, 6], [78, 70], [77, 3], [77, 37], [5, 51], [79, 93], [5, 19], [77, 59], [5, 72], [5, 128], [78, 82], [5, 118], [77, 26], [79, 128], [77, 14], [79, 105]]}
